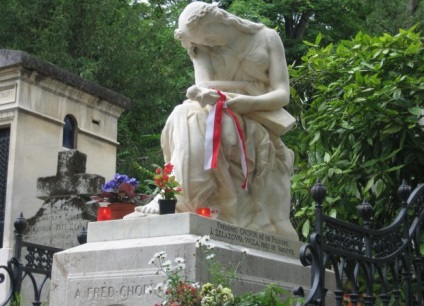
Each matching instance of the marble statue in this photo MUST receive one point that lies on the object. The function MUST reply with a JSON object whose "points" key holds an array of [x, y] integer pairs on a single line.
{"points": [[243, 63]]}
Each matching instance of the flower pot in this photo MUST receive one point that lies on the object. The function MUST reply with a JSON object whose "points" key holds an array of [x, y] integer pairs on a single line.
{"points": [[167, 206], [119, 210]]}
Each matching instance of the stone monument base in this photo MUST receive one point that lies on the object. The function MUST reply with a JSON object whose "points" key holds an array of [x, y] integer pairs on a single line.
{"points": [[112, 267]]}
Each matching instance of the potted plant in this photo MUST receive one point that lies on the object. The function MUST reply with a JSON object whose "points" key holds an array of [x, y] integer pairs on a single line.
{"points": [[119, 194], [167, 187]]}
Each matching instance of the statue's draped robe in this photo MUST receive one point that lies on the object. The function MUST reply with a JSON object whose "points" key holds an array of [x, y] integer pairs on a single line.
{"points": [[265, 205]]}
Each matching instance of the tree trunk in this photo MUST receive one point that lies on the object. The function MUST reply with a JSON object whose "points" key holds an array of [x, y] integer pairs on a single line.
{"points": [[296, 30], [302, 25], [412, 6]]}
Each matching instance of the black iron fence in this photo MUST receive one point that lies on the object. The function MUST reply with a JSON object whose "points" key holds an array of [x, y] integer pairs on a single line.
{"points": [[39, 259], [370, 267]]}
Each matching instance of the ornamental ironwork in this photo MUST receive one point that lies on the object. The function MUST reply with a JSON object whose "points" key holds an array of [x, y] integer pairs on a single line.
{"points": [[383, 267], [39, 259]]}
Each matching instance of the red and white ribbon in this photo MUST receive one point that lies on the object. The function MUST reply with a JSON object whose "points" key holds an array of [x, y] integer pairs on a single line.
{"points": [[213, 137]]}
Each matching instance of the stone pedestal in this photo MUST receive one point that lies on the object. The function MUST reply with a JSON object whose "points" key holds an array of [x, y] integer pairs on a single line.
{"points": [[112, 267]]}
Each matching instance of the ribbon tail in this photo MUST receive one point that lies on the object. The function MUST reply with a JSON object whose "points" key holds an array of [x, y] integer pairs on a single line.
{"points": [[213, 135]]}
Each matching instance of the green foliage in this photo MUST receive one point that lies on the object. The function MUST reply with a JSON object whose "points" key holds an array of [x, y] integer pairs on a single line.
{"points": [[218, 273], [302, 20], [17, 299], [126, 46], [359, 104], [388, 16], [272, 295]]}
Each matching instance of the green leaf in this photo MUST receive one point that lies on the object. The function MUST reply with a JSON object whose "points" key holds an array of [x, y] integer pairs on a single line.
{"points": [[369, 184], [392, 129], [333, 213], [338, 171], [395, 168], [327, 157], [306, 228], [397, 93], [316, 137], [360, 100], [379, 187], [318, 39], [417, 111]]}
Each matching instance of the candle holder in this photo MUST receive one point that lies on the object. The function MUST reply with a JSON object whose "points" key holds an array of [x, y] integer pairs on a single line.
{"points": [[104, 213], [208, 212], [204, 211]]}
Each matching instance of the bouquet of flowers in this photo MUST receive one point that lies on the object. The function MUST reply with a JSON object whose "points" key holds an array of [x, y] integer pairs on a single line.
{"points": [[165, 182]]}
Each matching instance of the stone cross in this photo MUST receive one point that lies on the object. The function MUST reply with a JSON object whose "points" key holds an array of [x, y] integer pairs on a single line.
{"points": [[64, 212], [70, 178]]}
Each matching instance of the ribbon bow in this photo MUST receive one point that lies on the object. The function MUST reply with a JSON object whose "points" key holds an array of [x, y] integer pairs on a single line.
{"points": [[213, 136]]}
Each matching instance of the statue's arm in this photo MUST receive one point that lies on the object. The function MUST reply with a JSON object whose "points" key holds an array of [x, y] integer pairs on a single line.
{"points": [[203, 70], [278, 72], [279, 80]]}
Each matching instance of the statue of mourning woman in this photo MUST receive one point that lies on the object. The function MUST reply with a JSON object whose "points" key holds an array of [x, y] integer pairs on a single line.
{"points": [[241, 65]]}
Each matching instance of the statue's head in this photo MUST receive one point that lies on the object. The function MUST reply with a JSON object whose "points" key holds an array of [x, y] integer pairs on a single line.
{"points": [[194, 24], [196, 12], [197, 25]]}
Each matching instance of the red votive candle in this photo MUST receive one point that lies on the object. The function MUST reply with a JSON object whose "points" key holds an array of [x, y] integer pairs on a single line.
{"points": [[204, 211], [104, 213]]}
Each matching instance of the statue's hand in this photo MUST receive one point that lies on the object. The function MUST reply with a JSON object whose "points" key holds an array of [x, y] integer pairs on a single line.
{"points": [[239, 104], [142, 211], [205, 96], [151, 208]]}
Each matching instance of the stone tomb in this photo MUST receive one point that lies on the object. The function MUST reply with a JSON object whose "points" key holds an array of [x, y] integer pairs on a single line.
{"points": [[112, 267]]}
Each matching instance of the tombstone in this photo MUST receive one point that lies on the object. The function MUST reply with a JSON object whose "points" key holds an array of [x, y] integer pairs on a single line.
{"points": [[64, 212]]}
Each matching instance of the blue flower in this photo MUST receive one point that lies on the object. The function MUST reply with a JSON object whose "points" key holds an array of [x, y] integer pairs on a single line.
{"points": [[113, 185]]}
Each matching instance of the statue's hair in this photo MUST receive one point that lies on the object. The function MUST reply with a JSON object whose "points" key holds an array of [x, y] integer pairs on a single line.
{"points": [[213, 11]]}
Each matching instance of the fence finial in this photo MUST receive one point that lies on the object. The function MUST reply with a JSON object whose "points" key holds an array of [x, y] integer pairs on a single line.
{"points": [[365, 211], [20, 224], [318, 192], [404, 191]]}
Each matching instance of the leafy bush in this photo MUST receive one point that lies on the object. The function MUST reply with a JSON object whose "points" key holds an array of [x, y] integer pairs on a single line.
{"points": [[359, 104]]}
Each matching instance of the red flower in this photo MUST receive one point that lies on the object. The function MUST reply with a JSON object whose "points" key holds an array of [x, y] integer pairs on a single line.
{"points": [[167, 169]]}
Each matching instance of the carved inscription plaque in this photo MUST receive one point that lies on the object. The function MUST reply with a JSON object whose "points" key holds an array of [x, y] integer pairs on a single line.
{"points": [[252, 239], [125, 290], [7, 94]]}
